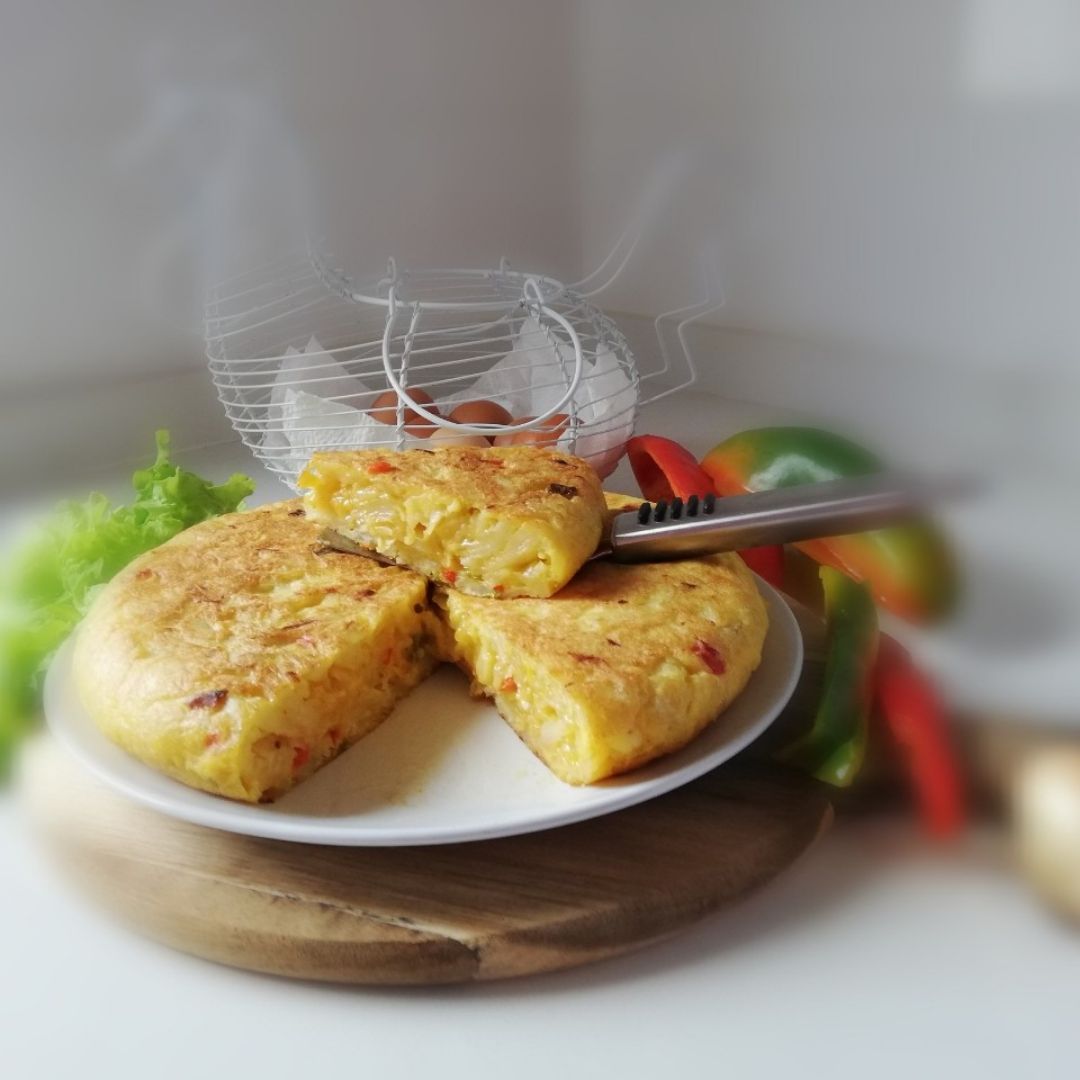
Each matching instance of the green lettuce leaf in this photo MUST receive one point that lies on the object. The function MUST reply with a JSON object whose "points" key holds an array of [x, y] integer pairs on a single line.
{"points": [[50, 580]]}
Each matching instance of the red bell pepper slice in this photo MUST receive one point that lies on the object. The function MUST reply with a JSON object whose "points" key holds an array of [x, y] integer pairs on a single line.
{"points": [[666, 470], [913, 713], [766, 562]]}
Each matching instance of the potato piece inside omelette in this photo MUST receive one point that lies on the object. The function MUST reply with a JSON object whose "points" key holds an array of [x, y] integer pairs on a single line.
{"points": [[243, 654], [625, 664], [497, 522]]}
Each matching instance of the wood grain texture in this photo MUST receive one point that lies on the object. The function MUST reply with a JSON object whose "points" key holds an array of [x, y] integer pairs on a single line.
{"points": [[445, 914]]}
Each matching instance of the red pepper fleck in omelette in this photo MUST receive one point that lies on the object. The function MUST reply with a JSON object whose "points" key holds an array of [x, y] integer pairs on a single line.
{"points": [[709, 656]]}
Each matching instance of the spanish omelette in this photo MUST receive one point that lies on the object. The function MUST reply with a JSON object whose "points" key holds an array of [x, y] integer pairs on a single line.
{"points": [[623, 665], [499, 521], [243, 654]]}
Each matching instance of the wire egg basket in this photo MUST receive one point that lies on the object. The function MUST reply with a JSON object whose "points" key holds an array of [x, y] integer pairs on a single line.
{"points": [[305, 358]]}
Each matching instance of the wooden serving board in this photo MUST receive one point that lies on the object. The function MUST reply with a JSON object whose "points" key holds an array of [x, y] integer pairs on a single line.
{"points": [[455, 913]]}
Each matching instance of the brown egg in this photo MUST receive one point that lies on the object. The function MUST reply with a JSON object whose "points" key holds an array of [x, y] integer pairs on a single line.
{"points": [[547, 434], [481, 412], [384, 409]]}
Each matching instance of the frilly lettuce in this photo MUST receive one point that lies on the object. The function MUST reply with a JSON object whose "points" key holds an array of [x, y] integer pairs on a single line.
{"points": [[50, 580]]}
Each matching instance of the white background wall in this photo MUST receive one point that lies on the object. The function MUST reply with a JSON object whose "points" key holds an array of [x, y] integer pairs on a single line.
{"points": [[901, 173]]}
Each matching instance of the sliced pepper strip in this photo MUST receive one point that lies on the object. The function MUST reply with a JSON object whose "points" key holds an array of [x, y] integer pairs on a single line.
{"points": [[666, 470], [766, 562], [912, 711], [835, 745]]}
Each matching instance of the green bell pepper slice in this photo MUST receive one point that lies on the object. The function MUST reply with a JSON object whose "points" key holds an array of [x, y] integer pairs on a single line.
{"points": [[835, 745]]}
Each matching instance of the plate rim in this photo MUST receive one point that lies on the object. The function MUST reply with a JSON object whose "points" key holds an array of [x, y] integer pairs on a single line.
{"points": [[299, 829]]}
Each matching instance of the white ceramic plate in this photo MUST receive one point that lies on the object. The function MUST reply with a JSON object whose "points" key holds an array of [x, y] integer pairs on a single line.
{"points": [[443, 769]]}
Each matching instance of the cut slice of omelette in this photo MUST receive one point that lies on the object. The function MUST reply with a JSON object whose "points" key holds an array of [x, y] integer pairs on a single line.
{"points": [[242, 655], [501, 522], [625, 664]]}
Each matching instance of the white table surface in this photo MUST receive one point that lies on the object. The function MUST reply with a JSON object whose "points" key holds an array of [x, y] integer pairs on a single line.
{"points": [[875, 956]]}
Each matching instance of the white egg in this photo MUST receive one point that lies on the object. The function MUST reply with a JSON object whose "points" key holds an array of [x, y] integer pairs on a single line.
{"points": [[446, 437]]}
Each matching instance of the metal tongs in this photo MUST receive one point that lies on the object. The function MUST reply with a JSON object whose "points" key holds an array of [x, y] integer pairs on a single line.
{"points": [[703, 525]]}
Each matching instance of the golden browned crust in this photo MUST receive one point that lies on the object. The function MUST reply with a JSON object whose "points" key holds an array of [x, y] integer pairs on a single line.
{"points": [[618, 504], [632, 660], [242, 654]]}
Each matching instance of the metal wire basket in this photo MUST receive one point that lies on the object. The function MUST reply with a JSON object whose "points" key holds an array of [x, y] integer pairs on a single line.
{"points": [[304, 358]]}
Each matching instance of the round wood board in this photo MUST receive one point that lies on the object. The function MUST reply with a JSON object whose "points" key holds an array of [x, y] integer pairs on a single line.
{"points": [[453, 913]]}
